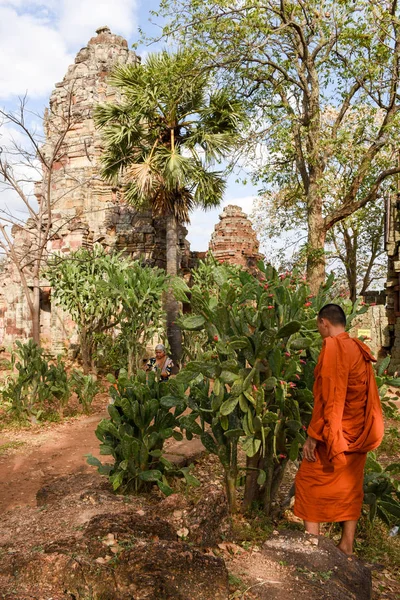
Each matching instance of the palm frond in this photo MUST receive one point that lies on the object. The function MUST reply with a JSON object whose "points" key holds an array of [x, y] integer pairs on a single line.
{"points": [[223, 113], [176, 169], [209, 188], [127, 77], [146, 179], [164, 95], [213, 146]]}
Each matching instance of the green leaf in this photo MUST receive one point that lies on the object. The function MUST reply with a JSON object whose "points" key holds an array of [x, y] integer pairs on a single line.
{"points": [[393, 508], [244, 405], [117, 479], [169, 401], [251, 446], [234, 433], [193, 322], [288, 329], [93, 461], [369, 498], [270, 383], [275, 361], [106, 450], [156, 453], [262, 478], [301, 343], [166, 489], [209, 443], [228, 377], [152, 475], [373, 465], [294, 450], [229, 406], [384, 365]]}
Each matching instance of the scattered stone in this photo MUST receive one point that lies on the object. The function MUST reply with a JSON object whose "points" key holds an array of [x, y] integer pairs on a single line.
{"points": [[183, 533]]}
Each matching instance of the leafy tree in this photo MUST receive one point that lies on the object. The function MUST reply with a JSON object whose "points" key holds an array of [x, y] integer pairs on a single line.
{"points": [[161, 141], [78, 287], [137, 290], [321, 83], [354, 247], [358, 242], [103, 291]]}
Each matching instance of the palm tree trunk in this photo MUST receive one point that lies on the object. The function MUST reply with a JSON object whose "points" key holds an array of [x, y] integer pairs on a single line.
{"points": [[171, 305]]}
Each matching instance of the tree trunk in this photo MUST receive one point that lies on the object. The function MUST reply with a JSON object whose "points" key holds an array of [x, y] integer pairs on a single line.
{"points": [[351, 245], [35, 312], [230, 486], [171, 305], [316, 246], [252, 489], [85, 351]]}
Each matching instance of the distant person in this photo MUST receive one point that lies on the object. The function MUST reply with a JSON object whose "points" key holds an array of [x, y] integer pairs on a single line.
{"points": [[161, 363], [346, 423]]}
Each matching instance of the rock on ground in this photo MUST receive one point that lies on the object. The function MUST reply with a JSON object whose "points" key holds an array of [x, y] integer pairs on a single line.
{"points": [[341, 577]]}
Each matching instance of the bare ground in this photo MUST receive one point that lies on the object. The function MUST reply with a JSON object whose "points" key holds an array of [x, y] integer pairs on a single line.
{"points": [[38, 456]]}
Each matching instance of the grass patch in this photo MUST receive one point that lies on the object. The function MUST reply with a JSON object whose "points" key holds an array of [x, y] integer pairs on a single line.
{"points": [[4, 448], [236, 586]]}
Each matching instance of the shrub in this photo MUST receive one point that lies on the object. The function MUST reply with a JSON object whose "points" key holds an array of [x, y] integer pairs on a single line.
{"points": [[86, 387], [262, 346], [39, 386], [382, 490], [140, 422]]}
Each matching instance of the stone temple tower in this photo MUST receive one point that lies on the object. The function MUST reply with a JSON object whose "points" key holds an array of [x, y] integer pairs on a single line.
{"points": [[86, 209]]}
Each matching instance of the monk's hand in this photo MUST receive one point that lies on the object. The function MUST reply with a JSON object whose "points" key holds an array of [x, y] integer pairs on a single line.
{"points": [[309, 449]]}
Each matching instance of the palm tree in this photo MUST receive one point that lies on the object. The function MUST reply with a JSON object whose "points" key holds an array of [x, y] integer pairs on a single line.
{"points": [[162, 140]]}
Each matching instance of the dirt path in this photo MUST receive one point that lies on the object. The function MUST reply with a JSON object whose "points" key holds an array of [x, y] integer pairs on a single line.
{"points": [[35, 458], [31, 459]]}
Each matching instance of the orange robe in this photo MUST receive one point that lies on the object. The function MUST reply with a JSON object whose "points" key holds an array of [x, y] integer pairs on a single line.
{"points": [[347, 422]]}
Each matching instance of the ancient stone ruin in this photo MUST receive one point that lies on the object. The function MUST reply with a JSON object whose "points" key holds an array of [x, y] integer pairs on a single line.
{"points": [[86, 209], [234, 240]]}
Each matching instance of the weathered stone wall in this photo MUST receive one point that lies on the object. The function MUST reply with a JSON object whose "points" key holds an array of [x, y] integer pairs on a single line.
{"points": [[375, 324], [393, 278]]}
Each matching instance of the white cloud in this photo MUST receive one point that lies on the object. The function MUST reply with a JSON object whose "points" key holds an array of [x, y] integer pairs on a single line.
{"points": [[39, 39], [80, 18], [33, 56]]}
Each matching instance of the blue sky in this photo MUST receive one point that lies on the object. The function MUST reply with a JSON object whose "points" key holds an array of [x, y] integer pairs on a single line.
{"points": [[39, 40]]}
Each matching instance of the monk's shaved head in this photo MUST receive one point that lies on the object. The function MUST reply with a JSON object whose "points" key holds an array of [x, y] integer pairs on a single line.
{"points": [[333, 313]]}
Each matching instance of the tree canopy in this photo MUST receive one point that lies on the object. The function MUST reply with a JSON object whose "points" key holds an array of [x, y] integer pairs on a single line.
{"points": [[320, 81]]}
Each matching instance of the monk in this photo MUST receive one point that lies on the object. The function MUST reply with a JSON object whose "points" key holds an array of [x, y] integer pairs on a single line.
{"points": [[346, 423]]}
